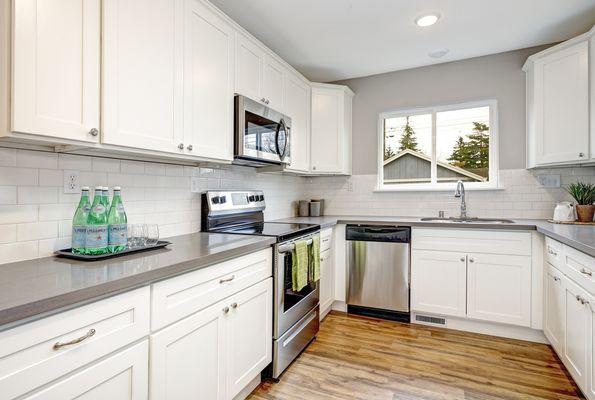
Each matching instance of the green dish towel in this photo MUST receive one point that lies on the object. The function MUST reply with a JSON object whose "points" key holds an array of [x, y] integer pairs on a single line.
{"points": [[299, 266], [314, 265]]}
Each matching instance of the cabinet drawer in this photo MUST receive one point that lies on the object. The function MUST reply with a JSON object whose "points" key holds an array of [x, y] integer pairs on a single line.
{"points": [[472, 241], [580, 267], [553, 252], [326, 239], [178, 297], [29, 357]]}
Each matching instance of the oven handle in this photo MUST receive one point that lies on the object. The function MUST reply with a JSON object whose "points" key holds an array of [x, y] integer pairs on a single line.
{"points": [[286, 248]]}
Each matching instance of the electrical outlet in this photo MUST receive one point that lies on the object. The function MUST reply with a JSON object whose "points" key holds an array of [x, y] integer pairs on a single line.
{"points": [[72, 182]]}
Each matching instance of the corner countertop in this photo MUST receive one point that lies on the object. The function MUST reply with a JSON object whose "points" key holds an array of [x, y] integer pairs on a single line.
{"points": [[580, 237], [36, 288]]}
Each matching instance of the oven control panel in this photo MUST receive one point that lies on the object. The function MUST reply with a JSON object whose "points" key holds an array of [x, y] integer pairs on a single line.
{"points": [[240, 200]]}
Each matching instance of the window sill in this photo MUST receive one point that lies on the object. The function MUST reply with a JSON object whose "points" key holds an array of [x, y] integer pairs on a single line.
{"points": [[450, 188]]}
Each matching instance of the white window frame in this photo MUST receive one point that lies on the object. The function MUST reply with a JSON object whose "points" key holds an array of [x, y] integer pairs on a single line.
{"points": [[492, 183]]}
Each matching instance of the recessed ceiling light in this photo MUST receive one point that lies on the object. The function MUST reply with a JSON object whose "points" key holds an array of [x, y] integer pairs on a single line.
{"points": [[427, 20], [438, 53]]}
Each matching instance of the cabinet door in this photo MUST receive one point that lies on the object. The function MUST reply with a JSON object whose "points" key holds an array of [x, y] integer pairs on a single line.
{"points": [[56, 50], [123, 376], [577, 327], [438, 282], [562, 105], [297, 106], [327, 135], [499, 288], [326, 282], [553, 326], [250, 59], [250, 335], [188, 358], [208, 83], [273, 82], [142, 74]]}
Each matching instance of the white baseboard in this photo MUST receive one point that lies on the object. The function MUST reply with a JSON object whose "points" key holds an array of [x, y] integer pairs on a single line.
{"points": [[339, 306], [489, 328], [248, 389]]}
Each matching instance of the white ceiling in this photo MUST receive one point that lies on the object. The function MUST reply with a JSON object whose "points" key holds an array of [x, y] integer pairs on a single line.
{"points": [[329, 40]]}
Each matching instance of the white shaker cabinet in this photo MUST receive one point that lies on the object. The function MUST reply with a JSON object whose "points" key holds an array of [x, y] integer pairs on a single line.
{"points": [[273, 83], [554, 318], [297, 107], [499, 288], [122, 376], [330, 148], [438, 282], [558, 104], [208, 83], [142, 74], [56, 68], [577, 327]]}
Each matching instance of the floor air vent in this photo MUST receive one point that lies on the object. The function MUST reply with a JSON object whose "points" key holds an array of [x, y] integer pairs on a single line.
{"points": [[426, 319]]}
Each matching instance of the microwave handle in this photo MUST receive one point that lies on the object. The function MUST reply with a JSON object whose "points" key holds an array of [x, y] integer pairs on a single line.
{"points": [[281, 125]]}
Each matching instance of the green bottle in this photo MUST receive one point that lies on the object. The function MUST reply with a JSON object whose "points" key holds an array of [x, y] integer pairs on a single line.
{"points": [[79, 222], [105, 197], [117, 223], [96, 237]]}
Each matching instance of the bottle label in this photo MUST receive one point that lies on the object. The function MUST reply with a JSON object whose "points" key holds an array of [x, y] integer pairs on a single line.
{"points": [[99, 209], [96, 237], [118, 235], [78, 237], [87, 208], [120, 208]]}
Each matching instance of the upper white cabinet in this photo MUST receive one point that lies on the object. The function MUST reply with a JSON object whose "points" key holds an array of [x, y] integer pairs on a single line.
{"points": [[258, 75], [330, 148], [56, 52], [558, 111], [142, 74], [208, 83], [297, 107]]}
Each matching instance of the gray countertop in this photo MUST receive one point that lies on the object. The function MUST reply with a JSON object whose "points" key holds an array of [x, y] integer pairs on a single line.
{"points": [[36, 288], [580, 237]]}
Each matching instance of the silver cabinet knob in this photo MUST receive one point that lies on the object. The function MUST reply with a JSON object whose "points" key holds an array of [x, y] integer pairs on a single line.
{"points": [[94, 132], [225, 310], [234, 305], [556, 279], [581, 155], [267, 101], [462, 259], [263, 100], [189, 147], [181, 146], [471, 260], [314, 168]]}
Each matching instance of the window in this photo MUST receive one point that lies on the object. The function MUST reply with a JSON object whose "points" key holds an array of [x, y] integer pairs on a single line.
{"points": [[432, 148]]}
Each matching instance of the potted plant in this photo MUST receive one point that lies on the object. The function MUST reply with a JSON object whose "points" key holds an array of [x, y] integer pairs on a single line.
{"points": [[584, 194]]}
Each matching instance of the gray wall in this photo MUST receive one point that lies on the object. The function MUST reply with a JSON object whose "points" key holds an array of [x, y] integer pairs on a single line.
{"points": [[497, 76]]}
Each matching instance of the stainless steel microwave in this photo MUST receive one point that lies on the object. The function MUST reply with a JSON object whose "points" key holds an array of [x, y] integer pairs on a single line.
{"points": [[262, 135]]}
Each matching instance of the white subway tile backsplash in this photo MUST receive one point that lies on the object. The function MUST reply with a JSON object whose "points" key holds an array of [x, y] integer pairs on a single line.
{"points": [[18, 251], [10, 176], [37, 195], [77, 163], [47, 247], [8, 195], [36, 159], [8, 157], [56, 212], [18, 214], [132, 167], [51, 177], [8, 233], [37, 230], [154, 169], [105, 165]]}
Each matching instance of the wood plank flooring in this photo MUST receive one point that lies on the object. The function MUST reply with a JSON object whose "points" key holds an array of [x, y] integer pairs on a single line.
{"points": [[367, 359]]}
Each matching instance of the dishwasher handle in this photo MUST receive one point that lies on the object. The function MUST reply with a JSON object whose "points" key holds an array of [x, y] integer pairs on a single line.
{"points": [[378, 233]]}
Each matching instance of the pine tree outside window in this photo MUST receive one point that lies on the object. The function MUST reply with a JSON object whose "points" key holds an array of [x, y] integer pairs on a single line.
{"points": [[432, 148]]}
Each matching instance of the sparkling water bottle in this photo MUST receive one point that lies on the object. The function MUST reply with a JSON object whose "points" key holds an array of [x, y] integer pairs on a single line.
{"points": [[105, 197], [117, 223], [96, 237], [79, 222]]}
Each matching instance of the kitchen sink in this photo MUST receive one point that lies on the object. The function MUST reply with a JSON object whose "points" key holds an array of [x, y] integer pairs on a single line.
{"points": [[469, 220]]}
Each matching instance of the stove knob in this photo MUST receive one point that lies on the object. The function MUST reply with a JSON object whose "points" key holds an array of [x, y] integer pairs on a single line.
{"points": [[261, 197], [252, 198], [222, 199], [215, 200]]}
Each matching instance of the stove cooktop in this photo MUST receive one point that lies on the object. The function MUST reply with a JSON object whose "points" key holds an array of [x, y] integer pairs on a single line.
{"points": [[281, 230]]}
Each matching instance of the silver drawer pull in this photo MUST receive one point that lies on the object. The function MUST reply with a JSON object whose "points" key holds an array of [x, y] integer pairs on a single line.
{"points": [[556, 279], [586, 272], [225, 280], [86, 336], [234, 305], [225, 310], [552, 252]]}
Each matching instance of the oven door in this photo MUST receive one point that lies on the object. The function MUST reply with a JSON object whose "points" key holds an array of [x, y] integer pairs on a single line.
{"points": [[261, 133], [291, 306]]}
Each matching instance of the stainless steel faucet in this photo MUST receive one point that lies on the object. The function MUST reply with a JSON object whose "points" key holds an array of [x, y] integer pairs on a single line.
{"points": [[460, 192]]}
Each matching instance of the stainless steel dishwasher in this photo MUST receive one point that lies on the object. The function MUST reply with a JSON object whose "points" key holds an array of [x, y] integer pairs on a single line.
{"points": [[378, 265]]}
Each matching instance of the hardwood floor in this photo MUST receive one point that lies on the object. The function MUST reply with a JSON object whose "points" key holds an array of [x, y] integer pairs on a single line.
{"points": [[368, 359]]}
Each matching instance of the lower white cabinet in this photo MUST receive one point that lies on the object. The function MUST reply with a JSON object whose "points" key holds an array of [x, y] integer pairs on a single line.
{"points": [[577, 328], [554, 318], [438, 282], [326, 282], [216, 352], [122, 376], [499, 288]]}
